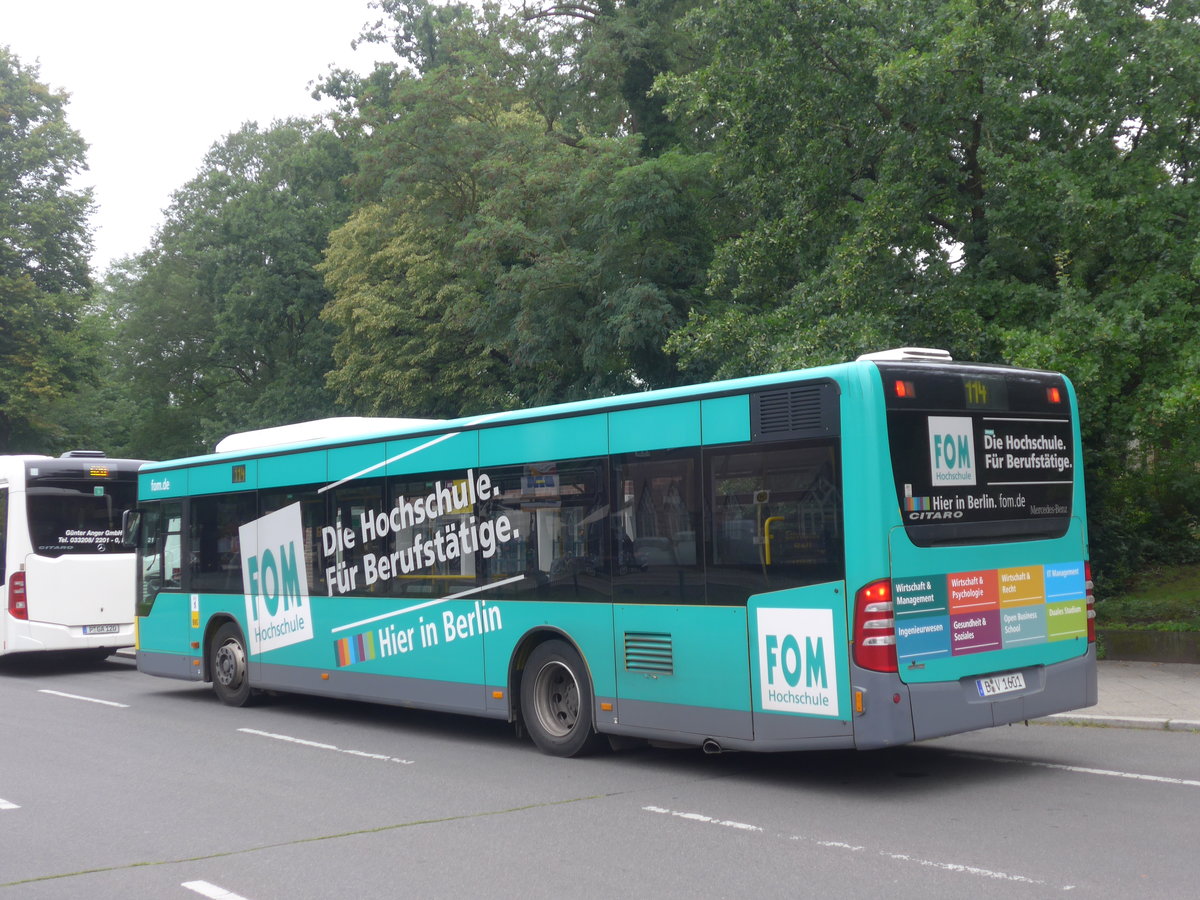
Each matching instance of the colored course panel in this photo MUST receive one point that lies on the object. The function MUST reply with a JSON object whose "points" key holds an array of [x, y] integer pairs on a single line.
{"points": [[920, 638], [1022, 586], [1025, 625], [974, 612], [972, 591], [920, 596], [975, 632], [1067, 620]]}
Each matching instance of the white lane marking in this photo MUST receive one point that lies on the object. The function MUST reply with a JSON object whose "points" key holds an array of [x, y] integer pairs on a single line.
{"points": [[211, 890], [4, 804], [88, 699], [696, 817], [1112, 773], [853, 848], [320, 746], [1084, 770]]}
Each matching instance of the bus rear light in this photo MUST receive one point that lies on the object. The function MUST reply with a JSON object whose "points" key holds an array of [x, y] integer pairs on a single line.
{"points": [[1090, 596], [906, 389], [1053, 395], [18, 605], [875, 627]]}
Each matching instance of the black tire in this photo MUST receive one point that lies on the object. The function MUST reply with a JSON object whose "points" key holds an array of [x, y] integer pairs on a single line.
{"points": [[230, 666], [556, 701]]}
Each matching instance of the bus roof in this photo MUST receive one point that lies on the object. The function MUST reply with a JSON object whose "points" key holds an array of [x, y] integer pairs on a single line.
{"points": [[326, 433], [505, 417]]}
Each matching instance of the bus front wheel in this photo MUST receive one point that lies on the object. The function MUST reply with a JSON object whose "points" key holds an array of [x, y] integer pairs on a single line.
{"points": [[230, 669], [556, 701]]}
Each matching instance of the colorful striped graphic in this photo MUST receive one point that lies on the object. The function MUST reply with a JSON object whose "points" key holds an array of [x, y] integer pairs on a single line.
{"points": [[356, 649], [916, 504]]}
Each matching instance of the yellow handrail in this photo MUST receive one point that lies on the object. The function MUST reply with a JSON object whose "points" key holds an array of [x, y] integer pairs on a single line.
{"points": [[767, 537]]}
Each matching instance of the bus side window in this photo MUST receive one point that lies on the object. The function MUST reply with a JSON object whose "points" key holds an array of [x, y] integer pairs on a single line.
{"points": [[545, 528], [353, 564], [214, 547], [312, 518], [656, 528], [413, 573], [776, 519]]}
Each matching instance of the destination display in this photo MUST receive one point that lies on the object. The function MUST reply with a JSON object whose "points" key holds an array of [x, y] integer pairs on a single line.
{"points": [[960, 613]]}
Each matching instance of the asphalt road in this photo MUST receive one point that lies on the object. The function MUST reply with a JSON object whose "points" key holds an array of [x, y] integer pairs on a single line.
{"points": [[114, 784]]}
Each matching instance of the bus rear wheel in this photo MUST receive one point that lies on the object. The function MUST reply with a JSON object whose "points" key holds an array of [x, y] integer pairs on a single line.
{"points": [[230, 666], [556, 701]]}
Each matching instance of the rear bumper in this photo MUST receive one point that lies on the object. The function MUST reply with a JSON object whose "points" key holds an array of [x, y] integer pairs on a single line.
{"points": [[899, 713], [955, 706], [32, 637]]}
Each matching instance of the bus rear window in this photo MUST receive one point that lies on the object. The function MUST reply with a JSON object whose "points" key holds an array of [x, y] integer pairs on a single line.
{"points": [[980, 455], [73, 517]]}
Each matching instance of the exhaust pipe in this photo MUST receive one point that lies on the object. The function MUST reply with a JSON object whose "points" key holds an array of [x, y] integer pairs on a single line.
{"points": [[711, 747]]}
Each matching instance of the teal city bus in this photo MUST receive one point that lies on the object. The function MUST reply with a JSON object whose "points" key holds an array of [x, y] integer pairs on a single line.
{"points": [[859, 555]]}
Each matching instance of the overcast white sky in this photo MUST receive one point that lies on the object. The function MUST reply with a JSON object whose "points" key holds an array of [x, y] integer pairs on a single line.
{"points": [[155, 83]]}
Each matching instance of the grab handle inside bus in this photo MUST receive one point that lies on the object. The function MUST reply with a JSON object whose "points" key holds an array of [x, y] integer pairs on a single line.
{"points": [[767, 537]]}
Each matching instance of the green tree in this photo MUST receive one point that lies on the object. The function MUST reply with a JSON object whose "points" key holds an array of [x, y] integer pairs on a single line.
{"points": [[221, 316], [504, 253], [1013, 181], [618, 50], [44, 248]]}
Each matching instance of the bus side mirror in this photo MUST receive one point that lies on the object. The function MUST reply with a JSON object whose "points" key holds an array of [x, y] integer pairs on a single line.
{"points": [[131, 528]]}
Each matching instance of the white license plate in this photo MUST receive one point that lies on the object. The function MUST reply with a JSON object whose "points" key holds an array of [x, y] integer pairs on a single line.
{"points": [[101, 629], [1000, 684]]}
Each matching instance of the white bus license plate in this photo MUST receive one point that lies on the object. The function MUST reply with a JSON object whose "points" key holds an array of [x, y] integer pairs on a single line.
{"points": [[1000, 684], [101, 629]]}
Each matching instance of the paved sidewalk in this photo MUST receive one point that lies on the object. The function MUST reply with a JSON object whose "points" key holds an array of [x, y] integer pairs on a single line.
{"points": [[1143, 695]]}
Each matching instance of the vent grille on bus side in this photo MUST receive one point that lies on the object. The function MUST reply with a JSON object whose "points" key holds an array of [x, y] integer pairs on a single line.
{"points": [[649, 652], [800, 411]]}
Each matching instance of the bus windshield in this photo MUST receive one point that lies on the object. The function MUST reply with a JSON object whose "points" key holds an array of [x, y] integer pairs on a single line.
{"points": [[67, 516], [980, 454]]}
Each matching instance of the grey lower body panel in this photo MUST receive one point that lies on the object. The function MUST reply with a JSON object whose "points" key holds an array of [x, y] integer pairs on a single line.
{"points": [[686, 722], [169, 665], [725, 728], [414, 693], [956, 706]]}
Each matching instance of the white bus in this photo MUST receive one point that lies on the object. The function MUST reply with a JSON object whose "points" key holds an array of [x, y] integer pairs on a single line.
{"points": [[69, 582]]}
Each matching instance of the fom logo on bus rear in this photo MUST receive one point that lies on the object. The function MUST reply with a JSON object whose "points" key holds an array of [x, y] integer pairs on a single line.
{"points": [[951, 450], [275, 580], [797, 661]]}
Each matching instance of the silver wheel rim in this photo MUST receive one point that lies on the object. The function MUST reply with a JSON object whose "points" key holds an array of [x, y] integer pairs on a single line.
{"points": [[230, 664], [556, 699]]}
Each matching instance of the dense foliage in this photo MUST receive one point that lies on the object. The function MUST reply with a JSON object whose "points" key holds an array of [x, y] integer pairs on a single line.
{"points": [[44, 246], [565, 200]]}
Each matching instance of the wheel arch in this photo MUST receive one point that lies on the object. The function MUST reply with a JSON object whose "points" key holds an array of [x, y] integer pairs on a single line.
{"points": [[211, 628], [520, 656]]}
